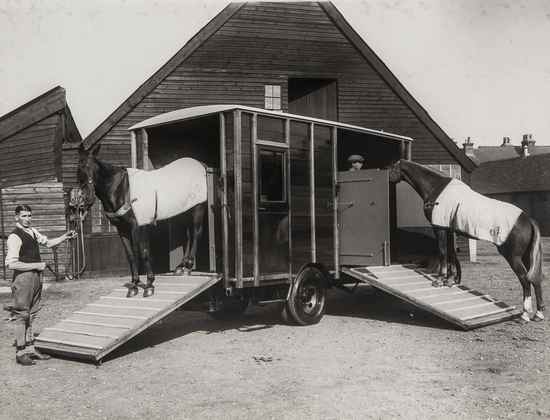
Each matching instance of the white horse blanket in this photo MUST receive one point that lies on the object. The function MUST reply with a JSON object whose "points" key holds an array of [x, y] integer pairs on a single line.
{"points": [[167, 191], [463, 209]]}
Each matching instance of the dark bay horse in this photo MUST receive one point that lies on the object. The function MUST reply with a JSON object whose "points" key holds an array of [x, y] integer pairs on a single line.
{"points": [[450, 204], [111, 185]]}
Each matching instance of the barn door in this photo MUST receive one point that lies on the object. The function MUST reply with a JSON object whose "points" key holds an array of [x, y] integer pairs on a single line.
{"points": [[313, 97], [364, 217]]}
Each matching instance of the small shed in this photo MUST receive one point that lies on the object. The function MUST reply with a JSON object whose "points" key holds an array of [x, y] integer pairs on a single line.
{"points": [[31, 166]]}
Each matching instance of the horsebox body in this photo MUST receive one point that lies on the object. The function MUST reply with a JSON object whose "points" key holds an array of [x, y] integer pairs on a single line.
{"points": [[284, 182]]}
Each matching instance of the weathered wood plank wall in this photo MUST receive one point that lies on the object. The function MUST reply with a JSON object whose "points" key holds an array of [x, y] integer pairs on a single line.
{"points": [[29, 156]]}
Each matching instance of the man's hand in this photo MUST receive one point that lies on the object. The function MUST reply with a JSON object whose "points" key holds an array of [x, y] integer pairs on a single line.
{"points": [[71, 234], [41, 266]]}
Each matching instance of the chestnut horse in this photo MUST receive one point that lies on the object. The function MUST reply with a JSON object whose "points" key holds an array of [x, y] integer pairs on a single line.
{"points": [[450, 204], [111, 185]]}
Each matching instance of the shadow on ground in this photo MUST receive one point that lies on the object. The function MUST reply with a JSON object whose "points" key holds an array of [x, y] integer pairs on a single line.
{"points": [[369, 303]]}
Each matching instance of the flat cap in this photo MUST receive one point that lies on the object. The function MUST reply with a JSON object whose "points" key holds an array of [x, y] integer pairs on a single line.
{"points": [[356, 158]]}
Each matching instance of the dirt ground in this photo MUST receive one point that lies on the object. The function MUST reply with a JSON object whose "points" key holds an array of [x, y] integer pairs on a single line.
{"points": [[371, 356]]}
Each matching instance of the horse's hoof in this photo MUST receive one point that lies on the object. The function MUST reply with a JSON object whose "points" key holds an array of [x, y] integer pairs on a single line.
{"points": [[436, 283], [539, 316], [132, 291], [449, 283], [525, 317], [148, 291]]}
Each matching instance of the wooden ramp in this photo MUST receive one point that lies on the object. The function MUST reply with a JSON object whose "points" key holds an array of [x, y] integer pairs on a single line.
{"points": [[100, 327], [460, 305]]}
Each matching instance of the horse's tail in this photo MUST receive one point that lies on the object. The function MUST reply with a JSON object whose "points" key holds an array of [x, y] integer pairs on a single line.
{"points": [[535, 253]]}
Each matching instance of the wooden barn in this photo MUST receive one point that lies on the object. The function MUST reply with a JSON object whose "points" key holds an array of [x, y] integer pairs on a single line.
{"points": [[301, 58], [32, 138]]}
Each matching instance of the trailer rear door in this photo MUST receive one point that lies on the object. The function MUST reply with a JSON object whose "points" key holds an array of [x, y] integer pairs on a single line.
{"points": [[364, 217]]}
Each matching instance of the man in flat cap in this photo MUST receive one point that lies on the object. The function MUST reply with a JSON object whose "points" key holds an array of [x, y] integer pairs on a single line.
{"points": [[356, 162]]}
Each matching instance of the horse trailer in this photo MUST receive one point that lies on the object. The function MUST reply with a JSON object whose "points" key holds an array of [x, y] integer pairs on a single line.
{"points": [[283, 208]]}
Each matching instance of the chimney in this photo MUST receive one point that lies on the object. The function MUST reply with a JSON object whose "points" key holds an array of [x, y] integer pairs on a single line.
{"points": [[506, 142], [527, 145], [468, 147]]}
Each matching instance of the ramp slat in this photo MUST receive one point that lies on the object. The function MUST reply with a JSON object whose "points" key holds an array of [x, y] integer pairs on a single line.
{"points": [[82, 339], [99, 324], [460, 305], [81, 332], [100, 327], [91, 318]]}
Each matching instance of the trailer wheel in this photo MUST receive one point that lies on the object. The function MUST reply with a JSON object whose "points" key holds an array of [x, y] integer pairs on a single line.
{"points": [[231, 308], [306, 304]]}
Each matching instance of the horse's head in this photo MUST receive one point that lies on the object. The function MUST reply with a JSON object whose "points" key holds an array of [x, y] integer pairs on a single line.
{"points": [[83, 197], [395, 174]]}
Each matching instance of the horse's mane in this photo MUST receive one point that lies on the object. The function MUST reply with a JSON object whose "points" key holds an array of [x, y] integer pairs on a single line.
{"points": [[107, 169], [427, 168]]}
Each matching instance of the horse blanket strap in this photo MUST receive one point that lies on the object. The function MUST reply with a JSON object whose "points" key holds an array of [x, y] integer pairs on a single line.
{"points": [[461, 208], [119, 213], [168, 191]]}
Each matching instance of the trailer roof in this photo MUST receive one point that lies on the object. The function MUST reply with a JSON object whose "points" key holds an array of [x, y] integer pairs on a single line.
{"points": [[201, 111]]}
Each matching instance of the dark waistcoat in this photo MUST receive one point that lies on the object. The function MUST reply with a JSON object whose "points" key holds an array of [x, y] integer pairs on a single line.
{"points": [[29, 252]]}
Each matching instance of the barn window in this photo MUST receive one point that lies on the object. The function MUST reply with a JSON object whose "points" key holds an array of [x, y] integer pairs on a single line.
{"points": [[272, 176], [452, 170], [273, 97], [99, 222]]}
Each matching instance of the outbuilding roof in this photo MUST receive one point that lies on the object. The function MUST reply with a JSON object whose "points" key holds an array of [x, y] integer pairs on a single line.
{"points": [[201, 111], [526, 174], [37, 109]]}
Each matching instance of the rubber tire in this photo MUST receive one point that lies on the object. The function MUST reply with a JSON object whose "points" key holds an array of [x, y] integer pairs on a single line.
{"points": [[307, 300], [233, 308]]}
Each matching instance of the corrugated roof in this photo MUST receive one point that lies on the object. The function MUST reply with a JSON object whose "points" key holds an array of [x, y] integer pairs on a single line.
{"points": [[531, 173], [201, 111]]}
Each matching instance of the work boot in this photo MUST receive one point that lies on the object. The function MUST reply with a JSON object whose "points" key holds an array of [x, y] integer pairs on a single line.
{"points": [[38, 355], [24, 359]]}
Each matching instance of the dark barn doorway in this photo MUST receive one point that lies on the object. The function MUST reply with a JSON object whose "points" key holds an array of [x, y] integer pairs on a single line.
{"points": [[313, 97]]}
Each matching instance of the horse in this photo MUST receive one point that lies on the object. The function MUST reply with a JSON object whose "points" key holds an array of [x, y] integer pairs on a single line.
{"points": [[118, 187], [451, 205]]}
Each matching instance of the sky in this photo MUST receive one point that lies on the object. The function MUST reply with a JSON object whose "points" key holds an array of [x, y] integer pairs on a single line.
{"points": [[481, 68]]}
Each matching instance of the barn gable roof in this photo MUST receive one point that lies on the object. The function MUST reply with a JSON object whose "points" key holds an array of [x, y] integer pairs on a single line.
{"points": [[39, 108], [339, 21]]}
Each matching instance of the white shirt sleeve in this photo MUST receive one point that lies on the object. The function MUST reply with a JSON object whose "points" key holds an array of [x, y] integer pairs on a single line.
{"points": [[14, 246]]}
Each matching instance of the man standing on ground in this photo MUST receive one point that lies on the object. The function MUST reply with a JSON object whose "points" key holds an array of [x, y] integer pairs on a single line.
{"points": [[23, 257]]}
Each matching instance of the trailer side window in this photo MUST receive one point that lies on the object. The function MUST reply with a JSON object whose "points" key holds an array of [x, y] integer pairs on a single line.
{"points": [[272, 175]]}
